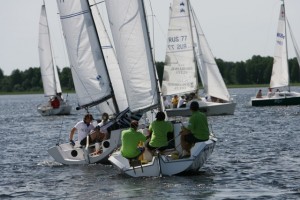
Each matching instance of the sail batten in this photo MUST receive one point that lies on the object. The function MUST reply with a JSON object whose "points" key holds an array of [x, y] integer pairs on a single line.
{"points": [[88, 66]]}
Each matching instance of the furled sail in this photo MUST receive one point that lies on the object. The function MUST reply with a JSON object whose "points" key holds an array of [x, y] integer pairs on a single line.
{"points": [[280, 73], [88, 67], [180, 75], [49, 72], [129, 29], [211, 77]]}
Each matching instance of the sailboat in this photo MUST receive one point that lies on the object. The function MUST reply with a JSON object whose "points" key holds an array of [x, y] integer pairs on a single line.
{"points": [[187, 56], [130, 33], [49, 73], [279, 91], [84, 30]]}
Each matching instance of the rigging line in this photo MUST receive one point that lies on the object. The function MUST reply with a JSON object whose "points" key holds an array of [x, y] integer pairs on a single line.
{"points": [[112, 93], [59, 136]]}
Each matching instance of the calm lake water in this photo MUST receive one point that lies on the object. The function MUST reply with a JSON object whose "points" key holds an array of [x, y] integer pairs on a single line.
{"points": [[257, 156]]}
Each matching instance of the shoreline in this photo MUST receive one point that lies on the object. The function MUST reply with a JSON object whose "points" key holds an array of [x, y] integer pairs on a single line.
{"points": [[73, 91]]}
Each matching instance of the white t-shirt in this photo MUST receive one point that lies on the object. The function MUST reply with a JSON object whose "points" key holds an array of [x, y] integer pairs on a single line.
{"points": [[83, 130], [181, 101]]}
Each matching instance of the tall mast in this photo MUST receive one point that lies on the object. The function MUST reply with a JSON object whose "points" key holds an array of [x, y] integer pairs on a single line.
{"points": [[112, 93], [153, 63], [287, 55]]}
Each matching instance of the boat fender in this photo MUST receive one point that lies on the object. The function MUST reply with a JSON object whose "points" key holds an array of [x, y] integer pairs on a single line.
{"points": [[106, 144], [74, 153]]}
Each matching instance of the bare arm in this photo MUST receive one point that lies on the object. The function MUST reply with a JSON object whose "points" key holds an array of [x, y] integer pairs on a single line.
{"points": [[72, 133]]}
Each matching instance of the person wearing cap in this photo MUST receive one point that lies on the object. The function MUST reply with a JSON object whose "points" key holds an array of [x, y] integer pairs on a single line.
{"points": [[83, 128], [197, 129], [130, 140], [159, 130]]}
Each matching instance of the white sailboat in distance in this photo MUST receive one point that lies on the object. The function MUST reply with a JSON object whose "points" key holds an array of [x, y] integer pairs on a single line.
{"points": [[279, 91], [188, 55], [52, 88]]}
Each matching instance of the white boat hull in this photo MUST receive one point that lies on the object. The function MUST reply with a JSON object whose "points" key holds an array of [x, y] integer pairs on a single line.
{"points": [[199, 154], [145, 170], [46, 110], [209, 108], [164, 164], [69, 155]]}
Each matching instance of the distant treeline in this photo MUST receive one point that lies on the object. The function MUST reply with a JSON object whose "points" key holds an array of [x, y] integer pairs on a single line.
{"points": [[256, 70], [30, 80]]}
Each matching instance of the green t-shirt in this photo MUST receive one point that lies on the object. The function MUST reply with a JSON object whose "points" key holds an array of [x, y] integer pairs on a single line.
{"points": [[130, 140], [160, 129], [198, 125]]}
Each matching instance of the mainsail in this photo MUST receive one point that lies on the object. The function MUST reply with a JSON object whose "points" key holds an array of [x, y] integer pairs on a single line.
{"points": [[111, 62], [280, 72], [211, 77], [49, 72], [186, 45], [129, 30], [90, 75], [180, 75]]}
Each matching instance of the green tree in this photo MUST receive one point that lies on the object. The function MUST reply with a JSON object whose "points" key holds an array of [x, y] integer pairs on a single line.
{"points": [[6, 85], [294, 70], [16, 77], [66, 79], [1, 74]]}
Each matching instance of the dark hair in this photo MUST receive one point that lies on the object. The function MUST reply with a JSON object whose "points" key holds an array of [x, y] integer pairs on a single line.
{"points": [[88, 115], [134, 124], [105, 114], [194, 106], [160, 116]]}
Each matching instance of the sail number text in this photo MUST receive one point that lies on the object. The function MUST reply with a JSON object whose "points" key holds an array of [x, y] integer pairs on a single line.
{"points": [[180, 40]]}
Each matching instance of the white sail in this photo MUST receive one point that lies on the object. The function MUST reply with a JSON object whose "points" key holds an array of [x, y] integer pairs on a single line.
{"points": [[49, 73], [111, 62], [280, 73], [294, 43], [88, 67], [129, 30], [211, 77], [180, 75]]}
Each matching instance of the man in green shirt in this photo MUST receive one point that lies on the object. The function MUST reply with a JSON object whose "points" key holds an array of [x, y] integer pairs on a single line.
{"points": [[159, 130], [197, 129], [130, 141]]}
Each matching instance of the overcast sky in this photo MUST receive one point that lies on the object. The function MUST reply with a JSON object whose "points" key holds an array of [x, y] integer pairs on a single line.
{"points": [[235, 29]]}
